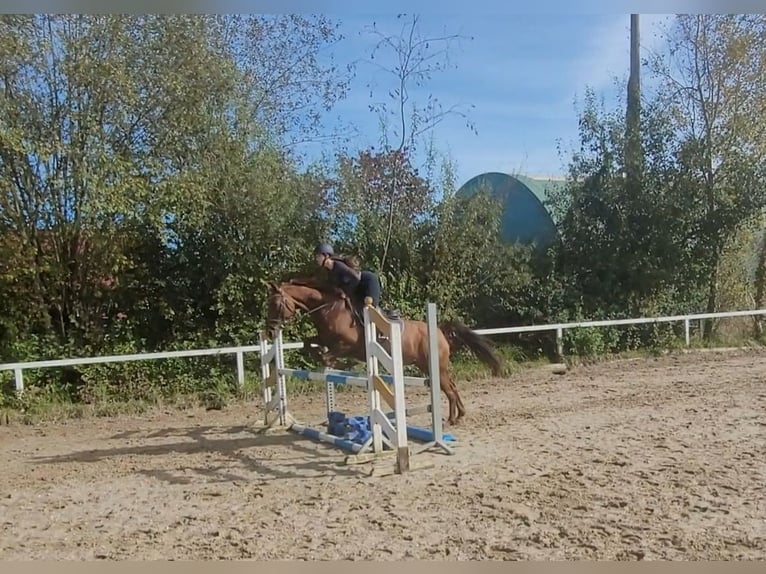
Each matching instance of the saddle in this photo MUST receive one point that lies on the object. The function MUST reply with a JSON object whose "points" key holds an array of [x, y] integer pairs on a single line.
{"points": [[357, 311]]}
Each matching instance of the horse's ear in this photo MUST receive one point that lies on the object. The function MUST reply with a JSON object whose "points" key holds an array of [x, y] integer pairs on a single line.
{"points": [[273, 286]]}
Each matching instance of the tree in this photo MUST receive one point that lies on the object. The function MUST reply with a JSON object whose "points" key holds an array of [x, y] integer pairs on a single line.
{"points": [[474, 274], [288, 75], [98, 117], [360, 201], [113, 133], [623, 252], [712, 86]]}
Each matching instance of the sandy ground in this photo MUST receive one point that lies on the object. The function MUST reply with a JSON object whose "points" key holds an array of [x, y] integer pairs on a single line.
{"points": [[642, 459]]}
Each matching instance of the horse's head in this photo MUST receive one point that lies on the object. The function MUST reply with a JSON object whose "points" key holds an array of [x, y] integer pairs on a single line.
{"points": [[287, 299], [281, 308]]}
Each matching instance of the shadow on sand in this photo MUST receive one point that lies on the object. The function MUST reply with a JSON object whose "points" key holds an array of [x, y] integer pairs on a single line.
{"points": [[229, 454]]}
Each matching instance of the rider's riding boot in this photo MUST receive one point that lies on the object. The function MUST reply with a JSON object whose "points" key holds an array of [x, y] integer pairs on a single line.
{"points": [[393, 314]]}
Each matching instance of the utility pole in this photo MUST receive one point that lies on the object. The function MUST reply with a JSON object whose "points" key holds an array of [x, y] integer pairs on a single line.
{"points": [[633, 152]]}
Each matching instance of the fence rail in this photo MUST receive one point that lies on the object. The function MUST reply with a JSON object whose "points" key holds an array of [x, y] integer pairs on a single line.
{"points": [[19, 368], [559, 327]]}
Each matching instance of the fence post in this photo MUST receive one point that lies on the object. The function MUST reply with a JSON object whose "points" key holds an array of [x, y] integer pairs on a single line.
{"points": [[560, 342], [686, 332], [240, 369], [19, 380]]}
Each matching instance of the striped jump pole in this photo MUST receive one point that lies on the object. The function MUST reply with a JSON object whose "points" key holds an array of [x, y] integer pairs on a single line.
{"points": [[346, 377], [353, 447]]}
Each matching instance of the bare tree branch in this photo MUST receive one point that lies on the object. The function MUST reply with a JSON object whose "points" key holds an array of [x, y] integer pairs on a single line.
{"points": [[416, 58]]}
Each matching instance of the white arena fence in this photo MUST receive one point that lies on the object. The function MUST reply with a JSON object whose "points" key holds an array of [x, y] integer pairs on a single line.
{"points": [[559, 328]]}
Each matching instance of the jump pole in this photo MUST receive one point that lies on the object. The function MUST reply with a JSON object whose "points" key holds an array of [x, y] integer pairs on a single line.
{"points": [[315, 434]]}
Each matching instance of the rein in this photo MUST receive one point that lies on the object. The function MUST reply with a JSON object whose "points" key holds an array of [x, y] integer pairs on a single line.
{"points": [[283, 305]]}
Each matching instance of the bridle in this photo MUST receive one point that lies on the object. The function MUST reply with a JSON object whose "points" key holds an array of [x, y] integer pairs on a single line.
{"points": [[289, 304]]}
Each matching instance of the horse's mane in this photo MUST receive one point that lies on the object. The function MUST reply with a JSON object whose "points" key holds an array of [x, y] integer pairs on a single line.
{"points": [[309, 281], [328, 291], [313, 281]]}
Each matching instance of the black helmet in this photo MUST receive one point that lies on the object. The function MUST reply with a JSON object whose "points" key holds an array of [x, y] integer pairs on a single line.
{"points": [[324, 249]]}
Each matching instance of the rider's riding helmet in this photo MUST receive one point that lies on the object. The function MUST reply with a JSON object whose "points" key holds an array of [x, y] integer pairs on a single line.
{"points": [[324, 249]]}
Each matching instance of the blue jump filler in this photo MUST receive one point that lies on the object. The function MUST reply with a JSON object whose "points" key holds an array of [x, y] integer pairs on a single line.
{"points": [[357, 429]]}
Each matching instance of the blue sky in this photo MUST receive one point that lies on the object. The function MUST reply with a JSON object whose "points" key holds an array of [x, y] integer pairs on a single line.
{"points": [[522, 73]]}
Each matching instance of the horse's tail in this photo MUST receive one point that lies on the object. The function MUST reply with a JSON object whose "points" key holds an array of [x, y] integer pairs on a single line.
{"points": [[459, 335]]}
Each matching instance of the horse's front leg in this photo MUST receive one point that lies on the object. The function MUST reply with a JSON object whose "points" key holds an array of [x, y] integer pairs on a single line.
{"points": [[313, 349], [328, 357], [329, 360]]}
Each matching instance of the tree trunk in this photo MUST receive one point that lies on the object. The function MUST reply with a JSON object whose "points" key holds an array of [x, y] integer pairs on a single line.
{"points": [[712, 298], [633, 153], [760, 285]]}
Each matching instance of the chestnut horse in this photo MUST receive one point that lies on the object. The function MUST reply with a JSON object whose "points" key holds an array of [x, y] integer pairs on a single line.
{"points": [[340, 330]]}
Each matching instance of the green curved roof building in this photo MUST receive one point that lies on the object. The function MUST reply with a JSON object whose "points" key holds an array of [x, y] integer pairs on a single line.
{"points": [[525, 218]]}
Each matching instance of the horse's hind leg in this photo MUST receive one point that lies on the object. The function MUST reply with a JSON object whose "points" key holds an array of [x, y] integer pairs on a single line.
{"points": [[457, 409]]}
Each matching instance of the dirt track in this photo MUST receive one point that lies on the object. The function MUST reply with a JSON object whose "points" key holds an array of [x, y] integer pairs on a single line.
{"points": [[649, 459]]}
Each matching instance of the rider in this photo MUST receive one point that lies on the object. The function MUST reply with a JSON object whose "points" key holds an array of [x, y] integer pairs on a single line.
{"points": [[357, 284]]}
